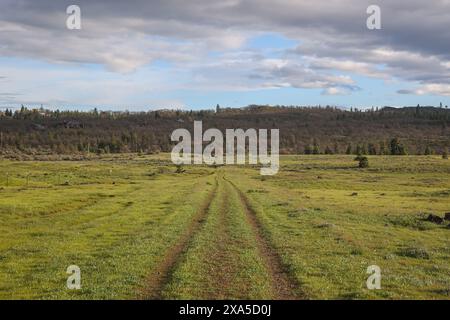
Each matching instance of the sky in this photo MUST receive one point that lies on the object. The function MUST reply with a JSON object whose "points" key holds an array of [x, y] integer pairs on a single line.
{"points": [[194, 54]]}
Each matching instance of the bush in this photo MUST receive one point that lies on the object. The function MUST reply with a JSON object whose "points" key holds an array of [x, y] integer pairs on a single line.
{"points": [[363, 161], [396, 148]]}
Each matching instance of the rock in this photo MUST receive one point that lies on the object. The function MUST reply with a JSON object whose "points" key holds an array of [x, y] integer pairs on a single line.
{"points": [[447, 216], [435, 219]]}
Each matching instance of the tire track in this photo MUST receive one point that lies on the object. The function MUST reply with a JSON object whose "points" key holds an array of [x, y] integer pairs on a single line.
{"points": [[225, 257], [284, 285], [223, 274], [156, 282]]}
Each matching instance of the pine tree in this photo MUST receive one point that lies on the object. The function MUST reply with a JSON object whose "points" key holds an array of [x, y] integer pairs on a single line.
{"points": [[349, 149], [336, 148], [372, 149], [396, 148], [316, 148]]}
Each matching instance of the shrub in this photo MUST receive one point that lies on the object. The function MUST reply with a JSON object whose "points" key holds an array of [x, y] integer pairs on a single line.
{"points": [[396, 148], [363, 161]]}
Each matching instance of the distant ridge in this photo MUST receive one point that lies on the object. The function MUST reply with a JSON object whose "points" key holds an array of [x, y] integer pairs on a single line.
{"points": [[322, 129]]}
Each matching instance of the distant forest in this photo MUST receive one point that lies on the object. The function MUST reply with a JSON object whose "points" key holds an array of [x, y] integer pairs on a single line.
{"points": [[303, 130]]}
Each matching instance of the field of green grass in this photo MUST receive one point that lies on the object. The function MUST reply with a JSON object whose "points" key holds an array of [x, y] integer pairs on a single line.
{"points": [[139, 230]]}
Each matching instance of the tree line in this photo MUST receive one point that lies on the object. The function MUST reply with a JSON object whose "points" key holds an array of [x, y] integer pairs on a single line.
{"points": [[303, 130]]}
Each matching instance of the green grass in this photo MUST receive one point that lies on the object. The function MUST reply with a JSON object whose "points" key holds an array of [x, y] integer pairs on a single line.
{"points": [[222, 262], [114, 232], [118, 217], [331, 221]]}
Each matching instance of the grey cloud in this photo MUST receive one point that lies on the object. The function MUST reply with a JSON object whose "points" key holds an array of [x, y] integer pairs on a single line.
{"points": [[125, 35], [407, 25], [282, 73]]}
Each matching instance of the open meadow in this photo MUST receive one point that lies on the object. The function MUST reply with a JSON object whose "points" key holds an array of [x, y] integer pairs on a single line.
{"points": [[140, 228]]}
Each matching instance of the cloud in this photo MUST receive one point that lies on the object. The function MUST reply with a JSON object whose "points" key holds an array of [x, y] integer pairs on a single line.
{"points": [[333, 41], [333, 91], [360, 68], [429, 89], [74, 87]]}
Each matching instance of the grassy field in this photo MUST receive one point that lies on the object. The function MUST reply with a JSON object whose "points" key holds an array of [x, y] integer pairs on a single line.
{"points": [[139, 230]]}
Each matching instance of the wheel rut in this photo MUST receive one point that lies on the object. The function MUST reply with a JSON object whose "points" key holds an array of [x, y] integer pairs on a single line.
{"points": [[220, 258], [284, 286], [156, 282]]}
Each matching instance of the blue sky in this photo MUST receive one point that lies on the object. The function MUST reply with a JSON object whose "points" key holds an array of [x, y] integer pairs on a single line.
{"points": [[235, 54]]}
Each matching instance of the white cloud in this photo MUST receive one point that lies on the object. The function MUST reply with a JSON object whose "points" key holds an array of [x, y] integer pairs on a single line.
{"points": [[334, 91], [430, 89], [334, 44]]}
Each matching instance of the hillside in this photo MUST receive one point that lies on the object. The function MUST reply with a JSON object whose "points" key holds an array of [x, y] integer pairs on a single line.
{"points": [[303, 130]]}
